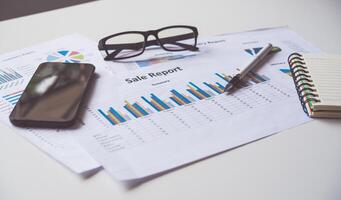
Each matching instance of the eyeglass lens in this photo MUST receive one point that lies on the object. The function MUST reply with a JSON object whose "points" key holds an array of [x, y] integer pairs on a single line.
{"points": [[177, 38], [125, 45]]}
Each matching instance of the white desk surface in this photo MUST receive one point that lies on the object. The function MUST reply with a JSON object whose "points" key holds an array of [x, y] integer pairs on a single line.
{"points": [[300, 163]]}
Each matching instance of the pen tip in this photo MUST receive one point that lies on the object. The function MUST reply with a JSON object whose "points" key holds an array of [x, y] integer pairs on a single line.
{"points": [[228, 87]]}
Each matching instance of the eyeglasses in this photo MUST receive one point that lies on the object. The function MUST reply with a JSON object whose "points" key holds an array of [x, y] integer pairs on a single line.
{"points": [[133, 43]]}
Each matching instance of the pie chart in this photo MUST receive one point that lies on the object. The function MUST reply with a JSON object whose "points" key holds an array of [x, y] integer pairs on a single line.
{"points": [[65, 56]]}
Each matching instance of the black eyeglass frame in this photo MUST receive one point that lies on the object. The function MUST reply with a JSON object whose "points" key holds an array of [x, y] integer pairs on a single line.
{"points": [[160, 42]]}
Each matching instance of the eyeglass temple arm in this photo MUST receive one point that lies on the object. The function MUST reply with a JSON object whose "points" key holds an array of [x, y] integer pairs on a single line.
{"points": [[174, 40], [137, 46], [113, 54]]}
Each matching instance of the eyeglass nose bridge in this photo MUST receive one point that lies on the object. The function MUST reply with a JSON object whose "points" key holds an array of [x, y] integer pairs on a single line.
{"points": [[151, 32], [152, 42]]}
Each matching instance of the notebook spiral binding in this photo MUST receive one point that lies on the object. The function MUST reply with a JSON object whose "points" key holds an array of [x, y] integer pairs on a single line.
{"points": [[304, 85]]}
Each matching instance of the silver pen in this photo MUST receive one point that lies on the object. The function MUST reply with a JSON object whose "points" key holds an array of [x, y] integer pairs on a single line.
{"points": [[239, 77]]}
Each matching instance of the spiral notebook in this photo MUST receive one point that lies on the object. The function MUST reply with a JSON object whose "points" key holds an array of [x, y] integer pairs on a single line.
{"points": [[317, 78]]}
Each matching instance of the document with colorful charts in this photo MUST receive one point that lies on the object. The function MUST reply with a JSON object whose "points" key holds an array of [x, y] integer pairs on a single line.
{"points": [[16, 69], [173, 114]]}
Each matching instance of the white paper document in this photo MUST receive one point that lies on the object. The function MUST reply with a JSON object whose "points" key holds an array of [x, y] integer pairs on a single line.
{"points": [[146, 116], [171, 113], [16, 69]]}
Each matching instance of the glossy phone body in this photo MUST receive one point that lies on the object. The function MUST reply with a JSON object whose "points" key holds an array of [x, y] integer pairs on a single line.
{"points": [[53, 96]]}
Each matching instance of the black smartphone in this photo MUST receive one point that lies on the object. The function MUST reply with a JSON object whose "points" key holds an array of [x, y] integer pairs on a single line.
{"points": [[53, 96]]}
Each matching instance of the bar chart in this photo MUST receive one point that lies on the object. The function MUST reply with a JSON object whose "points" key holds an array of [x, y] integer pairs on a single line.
{"points": [[8, 74], [193, 92], [13, 98], [253, 51], [286, 71]]}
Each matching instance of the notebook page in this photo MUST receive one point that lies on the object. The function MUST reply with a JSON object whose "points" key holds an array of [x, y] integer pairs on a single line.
{"points": [[325, 71]]}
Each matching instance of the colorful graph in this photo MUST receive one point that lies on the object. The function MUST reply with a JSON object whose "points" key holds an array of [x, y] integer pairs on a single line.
{"points": [[253, 51], [13, 98], [153, 61], [8, 74], [66, 56], [286, 71], [148, 105]]}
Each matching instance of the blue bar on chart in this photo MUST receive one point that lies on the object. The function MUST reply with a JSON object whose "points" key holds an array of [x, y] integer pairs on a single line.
{"points": [[140, 109], [198, 89], [151, 104], [13, 98], [115, 117], [7, 75], [179, 98], [223, 76], [106, 117], [218, 88], [198, 92], [136, 109], [157, 103]]}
